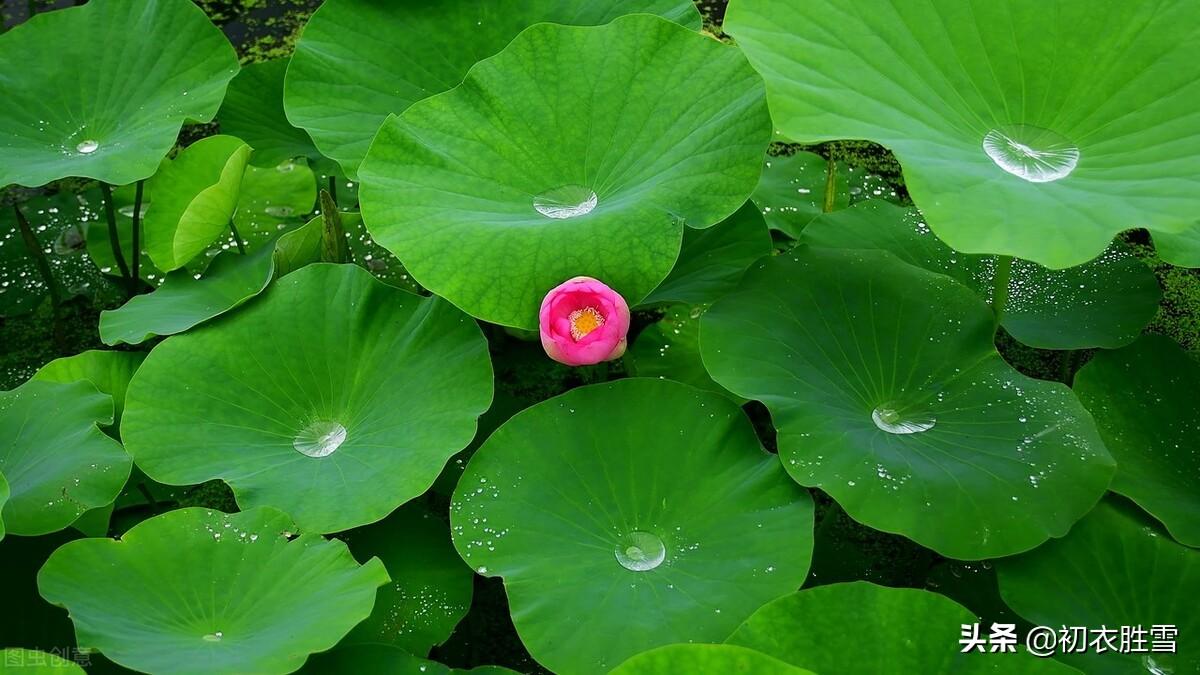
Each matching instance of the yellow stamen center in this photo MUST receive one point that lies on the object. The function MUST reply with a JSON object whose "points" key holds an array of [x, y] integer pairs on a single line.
{"points": [[584, 321]]}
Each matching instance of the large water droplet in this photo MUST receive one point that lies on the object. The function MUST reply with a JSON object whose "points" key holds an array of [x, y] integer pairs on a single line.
{"points": [[320, 438], [640, 551], [568, 201], [1157, 664], [1038, 155], [889, 418], [280, 211], [214, 637], [87, 147]]}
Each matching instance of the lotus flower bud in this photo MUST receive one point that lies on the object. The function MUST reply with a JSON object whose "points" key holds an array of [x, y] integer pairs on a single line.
{"points": [[583, 321]]}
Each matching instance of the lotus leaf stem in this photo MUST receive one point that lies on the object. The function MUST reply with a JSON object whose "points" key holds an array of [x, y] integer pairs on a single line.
{"points": [[110, 212]]}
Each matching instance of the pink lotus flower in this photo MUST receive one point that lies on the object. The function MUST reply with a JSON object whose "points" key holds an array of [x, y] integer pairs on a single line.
{"points": [[583, 321]]}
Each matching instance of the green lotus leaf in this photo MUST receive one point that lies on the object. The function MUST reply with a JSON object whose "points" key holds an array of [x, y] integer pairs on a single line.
{"points": [[1115, 568], [670, 349], [791, 191], [889, 395], [381, 659], [32, 662], [333, 396], [57, 461], [358, 61], [109, 372], [860, 628], [60, 223], [1144, 400], [253, 111], [431, 587], [137, 71], [300, 247], [273, 199], [1102, 303], [194, 199], [628, 506], [1179, 248], [200, 591], [304, 245], [704, 659], [574, 164], [1016, 136], [712, 260], [184, 301]]}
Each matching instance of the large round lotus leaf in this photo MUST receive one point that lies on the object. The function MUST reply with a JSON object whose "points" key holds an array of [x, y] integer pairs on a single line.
{"points": [[60, 223], [574, 165], [1144, 400], [431, 587], [1115, 568], [137, 71], [183, 301], [888, 394], [195, 195], [1102, 303], [1026, 130], [334, 397], [253, 111], [644, 509], [791, 191], [725, 659], [200, 591], [16, 661], [109, 372], [381, 659], [57, 461], [1181, 248], [360, 60], [859, 628], [712, 261], [274, 199], [670, 349]]}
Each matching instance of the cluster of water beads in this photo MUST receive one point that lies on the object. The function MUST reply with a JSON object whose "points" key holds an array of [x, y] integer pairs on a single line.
{"points": [[320, 438], [1035, 154], [568, 201], [640, 551], [890, 418]]}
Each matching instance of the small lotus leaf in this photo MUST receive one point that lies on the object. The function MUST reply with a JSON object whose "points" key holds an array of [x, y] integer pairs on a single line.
{"points": [[574, 164], [273, 199], [195, 195], [791, 191], [712, 261], [333, 396], [431, 587], [61, 223], [183, 301], [1102, 303], [1017, 134], [57, 461], [693, 658], [101, 90], [1115, 568], [644, 509], [253, 111], [358, 61], [200, 591], [1144, 400], [670, 348], [109, 372], [889, 395], [859, 628]]}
